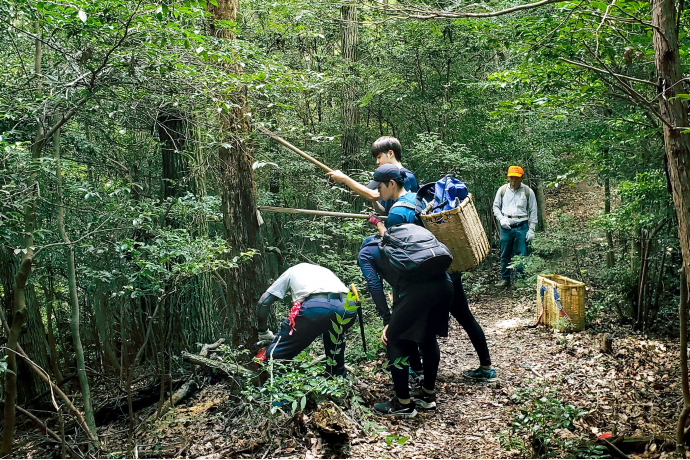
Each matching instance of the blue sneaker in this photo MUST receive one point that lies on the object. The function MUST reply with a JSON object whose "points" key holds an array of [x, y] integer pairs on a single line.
{"points": [[481, 375]]}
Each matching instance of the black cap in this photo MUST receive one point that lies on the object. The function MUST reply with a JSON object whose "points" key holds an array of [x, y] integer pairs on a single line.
{"points": [[384, 173]]}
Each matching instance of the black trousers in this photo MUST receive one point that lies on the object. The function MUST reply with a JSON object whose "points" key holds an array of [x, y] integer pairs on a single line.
{"points": [[423, 304], [460, 310], [406, 349]]}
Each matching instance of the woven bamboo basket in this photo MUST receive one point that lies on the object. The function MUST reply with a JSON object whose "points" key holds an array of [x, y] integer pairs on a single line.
{"points": [[572, 295], [461, 230]]}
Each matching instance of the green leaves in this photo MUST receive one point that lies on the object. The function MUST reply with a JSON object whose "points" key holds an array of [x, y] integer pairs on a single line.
{"points": [[350, 304], [398, 363], [395, 439], [338, 329]]}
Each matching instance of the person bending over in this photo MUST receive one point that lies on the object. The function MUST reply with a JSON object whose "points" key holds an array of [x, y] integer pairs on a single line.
{"points": [[318, 296]]}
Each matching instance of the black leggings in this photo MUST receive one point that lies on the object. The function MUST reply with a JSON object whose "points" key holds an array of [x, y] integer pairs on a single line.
{"points": [[401, 348], [461, 311]]}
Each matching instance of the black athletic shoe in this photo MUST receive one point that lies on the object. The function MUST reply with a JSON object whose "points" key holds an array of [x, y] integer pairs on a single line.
{"points": [[425, 400], [395, 408]]}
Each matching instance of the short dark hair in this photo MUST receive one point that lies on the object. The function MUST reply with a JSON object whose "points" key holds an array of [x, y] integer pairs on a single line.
{"points": [[384, 144]]}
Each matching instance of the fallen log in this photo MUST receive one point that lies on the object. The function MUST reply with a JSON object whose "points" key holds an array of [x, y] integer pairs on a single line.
{"points": [[209, 347], [188, 387], [229, 369], [116, 408]]}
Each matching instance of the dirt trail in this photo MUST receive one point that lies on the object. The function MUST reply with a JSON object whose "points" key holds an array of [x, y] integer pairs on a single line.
{"points": [[471, 415], [635, 391]]}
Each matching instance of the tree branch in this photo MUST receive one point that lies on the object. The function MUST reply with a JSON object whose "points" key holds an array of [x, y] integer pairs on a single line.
{"points": [[116, 46], [586, 66], [413, 13]]}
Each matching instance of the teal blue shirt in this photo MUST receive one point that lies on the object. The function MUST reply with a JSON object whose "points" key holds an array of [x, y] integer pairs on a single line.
{"points": [[399, 214]]}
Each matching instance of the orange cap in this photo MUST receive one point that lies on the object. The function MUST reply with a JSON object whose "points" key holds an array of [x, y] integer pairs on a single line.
{"points": [[515, 171]]}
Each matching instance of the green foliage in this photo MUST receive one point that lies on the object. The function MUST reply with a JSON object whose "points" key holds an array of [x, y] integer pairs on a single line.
{"points": [[297, 384], [538, 428], [395, 439], [644, 202]]}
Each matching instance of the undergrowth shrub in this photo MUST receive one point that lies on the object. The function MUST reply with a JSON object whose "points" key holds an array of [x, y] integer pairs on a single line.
{"points": [[543, 427], [297, 384]]}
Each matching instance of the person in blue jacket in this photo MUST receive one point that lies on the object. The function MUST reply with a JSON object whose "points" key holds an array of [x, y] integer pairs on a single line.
{"points": [[389, 181]]}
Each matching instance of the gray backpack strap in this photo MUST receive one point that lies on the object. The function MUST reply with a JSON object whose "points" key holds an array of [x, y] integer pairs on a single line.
{"points": [[504, 187], [404, 204]]}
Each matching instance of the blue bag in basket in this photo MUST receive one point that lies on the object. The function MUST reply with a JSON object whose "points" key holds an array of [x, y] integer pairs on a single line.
{"points": [[447, 189]]}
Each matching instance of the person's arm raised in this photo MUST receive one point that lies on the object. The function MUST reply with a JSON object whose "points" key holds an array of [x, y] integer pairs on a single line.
{"points": [[359, 189]]}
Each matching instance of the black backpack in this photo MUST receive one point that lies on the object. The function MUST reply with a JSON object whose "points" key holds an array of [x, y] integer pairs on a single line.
{"points": [[414, 252]]}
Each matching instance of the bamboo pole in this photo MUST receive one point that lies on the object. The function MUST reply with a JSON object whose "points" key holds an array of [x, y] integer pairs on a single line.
{"points": [[685, 386], [294, 149], [318, 213]]}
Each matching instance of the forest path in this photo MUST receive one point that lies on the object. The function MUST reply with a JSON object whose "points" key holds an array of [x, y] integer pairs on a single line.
{"points": [[632, 392], [469, 415]]}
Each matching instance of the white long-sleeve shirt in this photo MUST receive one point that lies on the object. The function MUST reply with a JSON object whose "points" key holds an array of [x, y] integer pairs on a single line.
{"points": [[515, 206], [304, 280]]}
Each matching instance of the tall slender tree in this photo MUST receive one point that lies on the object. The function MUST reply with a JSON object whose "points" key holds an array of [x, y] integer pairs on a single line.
{"points": [[349, 42], [244, 284]]}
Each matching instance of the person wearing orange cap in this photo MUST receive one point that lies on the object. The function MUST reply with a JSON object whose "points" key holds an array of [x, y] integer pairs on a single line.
{"points": [[515, 208]]}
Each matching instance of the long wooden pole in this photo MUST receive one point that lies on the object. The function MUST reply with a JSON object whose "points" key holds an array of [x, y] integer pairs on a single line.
{"points": [[685, 386], [318, 213], [294, 149]]}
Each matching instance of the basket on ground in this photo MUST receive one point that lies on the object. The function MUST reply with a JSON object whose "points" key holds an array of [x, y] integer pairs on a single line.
{"points": [[461, 230], [572, 297]]}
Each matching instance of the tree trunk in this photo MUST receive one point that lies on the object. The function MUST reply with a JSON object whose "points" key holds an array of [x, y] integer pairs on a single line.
{"points": [[610, 258], [50, 298], [685, 386], [238, 197], [22, 275], [172, 132], [350, 110], [74, 298], [101, 313], [541, 203], [33, 336], [675, 113]]}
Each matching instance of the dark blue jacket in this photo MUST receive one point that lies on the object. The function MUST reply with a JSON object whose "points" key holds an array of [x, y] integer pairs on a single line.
{"points": [[376, 268]]}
